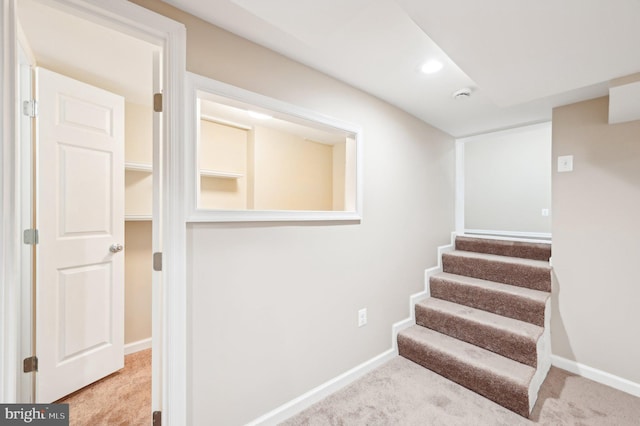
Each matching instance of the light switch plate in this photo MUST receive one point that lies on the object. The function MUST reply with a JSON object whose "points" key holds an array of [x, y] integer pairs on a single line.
{"points": [[362, 317], [565, 163]]}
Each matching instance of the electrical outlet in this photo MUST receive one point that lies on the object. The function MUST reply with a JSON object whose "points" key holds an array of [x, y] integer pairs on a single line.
{"points": [[545, 212], [565, 163], [362, 317]]}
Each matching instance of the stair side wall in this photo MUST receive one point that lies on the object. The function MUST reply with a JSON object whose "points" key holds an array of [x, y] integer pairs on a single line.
{"points": [[544, 358]]}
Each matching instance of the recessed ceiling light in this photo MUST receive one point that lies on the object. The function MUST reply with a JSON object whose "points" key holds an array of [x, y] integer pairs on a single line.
{"points": [[259, 115], [431, 67]]}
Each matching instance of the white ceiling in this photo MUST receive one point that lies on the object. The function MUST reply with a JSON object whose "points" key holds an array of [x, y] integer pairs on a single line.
{"points": [[521, 58]]}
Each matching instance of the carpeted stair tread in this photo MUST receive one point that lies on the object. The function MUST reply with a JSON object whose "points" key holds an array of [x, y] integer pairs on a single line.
{"points": [[508, 337], [528, 250], [499, 379], [516, 302], [534, 274]]}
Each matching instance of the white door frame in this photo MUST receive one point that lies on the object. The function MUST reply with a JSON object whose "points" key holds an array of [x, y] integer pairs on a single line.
{"points": [[27, 340], [134, 20]]}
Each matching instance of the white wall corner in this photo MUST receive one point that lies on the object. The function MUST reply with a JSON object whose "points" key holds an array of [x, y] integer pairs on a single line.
{"points": [[596, 375], [459, 187], [624, 103]]}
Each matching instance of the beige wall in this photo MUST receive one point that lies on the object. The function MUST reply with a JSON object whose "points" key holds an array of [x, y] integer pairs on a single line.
{"points": [[137, 297], [138, 148], [223, 149], [291, 173], [273, 307], [138, 195], [283, 171], [507, 178], [596, 240], [138, 133]]}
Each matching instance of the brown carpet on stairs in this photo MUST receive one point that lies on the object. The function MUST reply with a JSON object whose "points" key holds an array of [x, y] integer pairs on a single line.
{"points": [[122, 398], [483, 327], [509, 301], [534, 274], [403, 393], [537, 251], [505, 336], [500, 379]]}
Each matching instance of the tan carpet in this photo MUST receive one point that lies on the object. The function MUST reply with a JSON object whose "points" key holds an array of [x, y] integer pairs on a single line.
{"points": [[123, 398], [406, 394]]}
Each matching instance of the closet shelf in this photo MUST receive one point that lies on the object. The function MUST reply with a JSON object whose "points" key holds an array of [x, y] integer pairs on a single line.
{"points": [[220, 174], [138, 167]]}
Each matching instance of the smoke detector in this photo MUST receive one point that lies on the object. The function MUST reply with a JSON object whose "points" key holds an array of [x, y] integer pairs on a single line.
{"points": [[461, 94]]}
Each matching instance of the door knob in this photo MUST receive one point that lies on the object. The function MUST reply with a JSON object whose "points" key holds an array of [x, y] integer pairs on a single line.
{"points": [[115, 248]]}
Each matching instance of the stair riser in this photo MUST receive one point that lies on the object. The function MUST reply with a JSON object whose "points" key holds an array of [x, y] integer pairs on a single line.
{"points": [[502, 272], [507, 305], [535, 251], [510, 395], [516, 347]]}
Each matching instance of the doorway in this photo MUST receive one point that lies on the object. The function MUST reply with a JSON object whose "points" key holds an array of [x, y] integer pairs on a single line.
{"points": [[169, 299], [504, 183], [77, 61]]}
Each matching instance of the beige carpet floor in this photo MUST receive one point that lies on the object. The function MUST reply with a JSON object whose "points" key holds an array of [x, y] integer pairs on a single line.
{"points": [[122, 398], [403, 393]]}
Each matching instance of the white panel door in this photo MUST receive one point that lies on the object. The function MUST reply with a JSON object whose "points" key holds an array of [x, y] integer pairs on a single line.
{"points": [[80, 218]]}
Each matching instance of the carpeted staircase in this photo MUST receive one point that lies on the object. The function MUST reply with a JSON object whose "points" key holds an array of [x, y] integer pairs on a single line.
{"points": [[486, 324]]}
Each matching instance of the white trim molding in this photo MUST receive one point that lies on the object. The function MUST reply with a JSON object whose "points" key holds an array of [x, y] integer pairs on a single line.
{"points": [[540, 237], [459, 182], [596, 375], [200, 87], [9, 209]]}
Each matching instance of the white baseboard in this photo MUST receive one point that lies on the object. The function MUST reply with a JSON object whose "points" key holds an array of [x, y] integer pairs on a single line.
{"points": [[314, 395], [596, 375], [533, 237], [140, 345]]}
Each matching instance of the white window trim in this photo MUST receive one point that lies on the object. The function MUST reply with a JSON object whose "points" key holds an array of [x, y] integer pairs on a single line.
{"points": [[195, 83]]}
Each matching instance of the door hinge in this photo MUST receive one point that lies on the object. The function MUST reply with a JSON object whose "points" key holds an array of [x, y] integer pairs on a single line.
{"points": [[30, 108], [157, 261], [30, 236], [157, 102], [157, 418], [29, 365]]}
